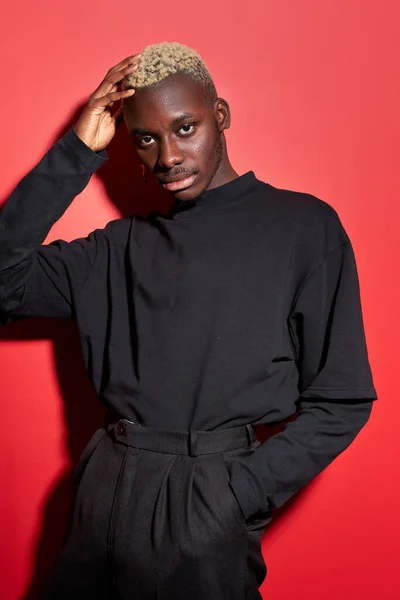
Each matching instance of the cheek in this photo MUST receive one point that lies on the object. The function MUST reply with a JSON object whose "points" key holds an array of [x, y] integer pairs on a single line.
{"points": [[201, 148], [147, 157]]}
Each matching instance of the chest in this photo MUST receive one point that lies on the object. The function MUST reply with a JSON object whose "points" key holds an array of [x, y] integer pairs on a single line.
{"points": [[243, 265]]}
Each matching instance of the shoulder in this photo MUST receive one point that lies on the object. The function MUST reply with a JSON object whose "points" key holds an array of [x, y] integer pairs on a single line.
{"points": [[311, 220], [115, 232], [118, 232]]}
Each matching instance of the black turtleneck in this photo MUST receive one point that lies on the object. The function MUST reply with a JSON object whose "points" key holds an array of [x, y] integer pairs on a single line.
{"points": [[241, 308], [230, 192]]}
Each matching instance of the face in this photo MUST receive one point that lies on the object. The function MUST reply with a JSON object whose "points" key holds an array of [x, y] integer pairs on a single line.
{"points": [[178, 135]]}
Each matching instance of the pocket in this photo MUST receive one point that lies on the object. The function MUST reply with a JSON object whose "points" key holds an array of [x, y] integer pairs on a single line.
{"points": [[86, 456], [244, 520], [233, 500], [257, 520]]}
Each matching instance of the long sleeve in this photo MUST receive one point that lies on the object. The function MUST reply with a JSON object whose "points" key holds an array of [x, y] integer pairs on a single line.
{"points": [[335, 388], [37, 279]]}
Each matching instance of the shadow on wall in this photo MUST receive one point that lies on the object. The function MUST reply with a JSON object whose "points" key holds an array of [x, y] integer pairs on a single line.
{"points": [[128, 189], [132, 194]]}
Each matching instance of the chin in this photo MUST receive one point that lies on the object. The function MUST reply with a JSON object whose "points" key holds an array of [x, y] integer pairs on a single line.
{"points": [[187, 195]]}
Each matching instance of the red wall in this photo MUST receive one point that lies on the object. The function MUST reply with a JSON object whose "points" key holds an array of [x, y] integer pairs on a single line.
{"points": [[313, 87]]}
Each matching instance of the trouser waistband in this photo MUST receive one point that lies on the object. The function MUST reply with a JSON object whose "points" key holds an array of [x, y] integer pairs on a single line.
{"points": [[192, 443]]}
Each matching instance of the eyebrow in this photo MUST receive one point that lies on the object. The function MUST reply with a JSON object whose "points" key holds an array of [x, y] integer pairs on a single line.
{"points": [[183, 117]]}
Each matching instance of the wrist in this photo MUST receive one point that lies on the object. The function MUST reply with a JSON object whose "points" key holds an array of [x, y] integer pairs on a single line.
{"points": [[89, 158], [82, 138]]}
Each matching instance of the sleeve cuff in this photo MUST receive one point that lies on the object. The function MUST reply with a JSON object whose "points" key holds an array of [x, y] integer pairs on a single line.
{"points": [[86, 155], [339, 394]]}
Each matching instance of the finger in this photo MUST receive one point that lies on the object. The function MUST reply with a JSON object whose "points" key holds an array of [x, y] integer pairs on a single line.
{"points": [[104, 101], [115, 77], [134, 60], [109, 81], [124, 85], [124, 63]]}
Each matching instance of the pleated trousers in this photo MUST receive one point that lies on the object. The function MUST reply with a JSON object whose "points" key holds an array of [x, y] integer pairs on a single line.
{"points": [[154, 518]]}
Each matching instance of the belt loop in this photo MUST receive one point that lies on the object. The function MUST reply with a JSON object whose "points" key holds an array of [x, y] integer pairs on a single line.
{"points": [[192, 443], [249, 430]]}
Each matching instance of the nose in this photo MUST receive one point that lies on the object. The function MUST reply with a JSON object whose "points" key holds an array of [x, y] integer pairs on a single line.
{"points": [[169, 154]]}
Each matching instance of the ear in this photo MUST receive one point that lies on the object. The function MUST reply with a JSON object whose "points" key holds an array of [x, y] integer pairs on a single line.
{"points": [[222, 114]]}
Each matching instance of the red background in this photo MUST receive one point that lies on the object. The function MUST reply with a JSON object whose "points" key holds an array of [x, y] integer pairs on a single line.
{"points": [[313, 88]]}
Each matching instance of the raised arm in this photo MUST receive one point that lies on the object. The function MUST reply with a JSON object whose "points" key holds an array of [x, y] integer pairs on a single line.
{"points": [[42, 280]]}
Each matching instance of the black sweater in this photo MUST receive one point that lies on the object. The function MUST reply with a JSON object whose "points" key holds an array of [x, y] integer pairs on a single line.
{"points": [[243, 308]]}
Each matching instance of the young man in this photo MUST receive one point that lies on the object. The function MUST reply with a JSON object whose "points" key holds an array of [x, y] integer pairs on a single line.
{"points": [[240, 306]]}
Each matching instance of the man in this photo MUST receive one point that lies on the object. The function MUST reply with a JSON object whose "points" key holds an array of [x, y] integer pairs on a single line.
{"points": [[240, 306]]}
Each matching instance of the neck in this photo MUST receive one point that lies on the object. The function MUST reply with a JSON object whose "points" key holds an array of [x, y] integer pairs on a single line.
{"points": [[224, 174]]}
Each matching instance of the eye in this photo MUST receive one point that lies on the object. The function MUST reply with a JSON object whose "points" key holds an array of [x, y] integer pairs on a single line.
{"points": [[146, 140], [186, 131]]}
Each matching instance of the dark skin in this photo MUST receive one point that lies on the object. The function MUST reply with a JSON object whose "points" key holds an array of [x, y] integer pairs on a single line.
{"points": [[174, 145]]}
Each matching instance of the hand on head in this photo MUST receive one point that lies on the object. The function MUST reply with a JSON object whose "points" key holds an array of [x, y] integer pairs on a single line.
{"points": [[97, 125]]}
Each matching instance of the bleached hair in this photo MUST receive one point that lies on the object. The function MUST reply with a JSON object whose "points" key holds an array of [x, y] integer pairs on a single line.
{"points": [[158, 61]]}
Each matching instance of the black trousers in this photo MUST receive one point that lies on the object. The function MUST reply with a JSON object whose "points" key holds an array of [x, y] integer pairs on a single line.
{"points": [[155, 519]]}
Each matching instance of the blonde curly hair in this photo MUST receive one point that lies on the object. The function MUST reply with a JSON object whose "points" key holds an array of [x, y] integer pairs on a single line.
{"points": [[158, 61]]}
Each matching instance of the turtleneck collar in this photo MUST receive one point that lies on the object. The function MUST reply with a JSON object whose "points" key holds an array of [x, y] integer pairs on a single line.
{"points": [[216, 198]]}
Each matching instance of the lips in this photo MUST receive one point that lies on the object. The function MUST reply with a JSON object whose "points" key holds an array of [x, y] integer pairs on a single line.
{"points": [[180, 184]]}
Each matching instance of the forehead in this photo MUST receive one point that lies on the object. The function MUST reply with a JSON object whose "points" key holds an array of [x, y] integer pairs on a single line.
{"points": [[173, 95]]}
